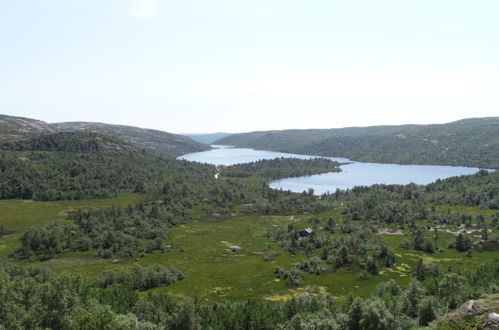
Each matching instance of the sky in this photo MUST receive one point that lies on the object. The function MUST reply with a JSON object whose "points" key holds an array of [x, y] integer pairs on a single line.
{"points": [[197, 66]]}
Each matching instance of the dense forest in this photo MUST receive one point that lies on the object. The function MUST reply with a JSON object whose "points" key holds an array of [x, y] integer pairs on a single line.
{"points": [[480, 189], [280, 168], [84, 165], [469, 142]]}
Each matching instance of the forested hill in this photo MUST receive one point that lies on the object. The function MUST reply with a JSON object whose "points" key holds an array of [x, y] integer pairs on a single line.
{"points": [[468, 142], [153, 141], [76, 165]]}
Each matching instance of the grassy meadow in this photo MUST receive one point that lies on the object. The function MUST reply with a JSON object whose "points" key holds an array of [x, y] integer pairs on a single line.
{"points": [[18, 215], [216, 272]]}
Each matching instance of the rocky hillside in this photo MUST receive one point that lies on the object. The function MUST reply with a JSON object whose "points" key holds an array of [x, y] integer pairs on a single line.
{"points": [[474, 314], [15, 127], [153, 141]]}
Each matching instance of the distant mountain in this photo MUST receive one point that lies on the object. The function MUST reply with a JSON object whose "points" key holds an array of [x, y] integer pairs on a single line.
{"points": [[467, 142], [207, 138], [14, 127], [153, 141], [158, 142]]}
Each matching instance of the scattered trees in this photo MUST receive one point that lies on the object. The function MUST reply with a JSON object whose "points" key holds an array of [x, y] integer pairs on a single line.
{"points": [[140, 278]]}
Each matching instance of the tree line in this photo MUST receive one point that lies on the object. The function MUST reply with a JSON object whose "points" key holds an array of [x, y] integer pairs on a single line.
{"points": [[279, 168]]}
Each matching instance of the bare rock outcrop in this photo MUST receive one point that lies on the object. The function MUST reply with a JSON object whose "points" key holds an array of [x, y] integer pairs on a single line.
{"points": [[468, 308]]}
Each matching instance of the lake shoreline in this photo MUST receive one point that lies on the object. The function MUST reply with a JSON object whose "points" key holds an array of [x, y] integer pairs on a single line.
{"points": [[353, 173]]}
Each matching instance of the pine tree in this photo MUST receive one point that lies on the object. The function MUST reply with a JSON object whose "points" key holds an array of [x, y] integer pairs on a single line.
{"points": [[427, 311], [420, 270]]}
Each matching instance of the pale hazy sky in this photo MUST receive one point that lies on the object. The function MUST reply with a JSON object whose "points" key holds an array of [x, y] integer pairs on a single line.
{"points": [[229, 65]]}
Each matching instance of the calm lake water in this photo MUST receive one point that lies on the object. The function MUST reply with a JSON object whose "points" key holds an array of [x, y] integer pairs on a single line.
{"points": [[227, 155], [354, 174]]}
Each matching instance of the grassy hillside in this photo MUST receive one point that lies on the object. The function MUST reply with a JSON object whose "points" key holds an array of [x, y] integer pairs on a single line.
{"points": [[153, 141], [469, 142]]}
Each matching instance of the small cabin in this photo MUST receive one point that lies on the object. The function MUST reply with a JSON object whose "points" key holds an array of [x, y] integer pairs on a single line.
{"points": [[307, 231]]}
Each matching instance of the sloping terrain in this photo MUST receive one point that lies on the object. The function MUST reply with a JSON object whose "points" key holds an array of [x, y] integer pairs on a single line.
{"points": [[250, 255], [76, 165], [474, 314], [208, 138], [469, 142], [14, 127], [153, 141]]}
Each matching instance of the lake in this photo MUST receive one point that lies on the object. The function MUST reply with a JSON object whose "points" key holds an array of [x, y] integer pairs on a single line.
{"points": [[353, 174], [227, 155]]}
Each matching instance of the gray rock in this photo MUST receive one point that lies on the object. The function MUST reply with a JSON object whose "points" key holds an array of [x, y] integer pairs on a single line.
{"points": [[467, 308], [494, 318]]}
